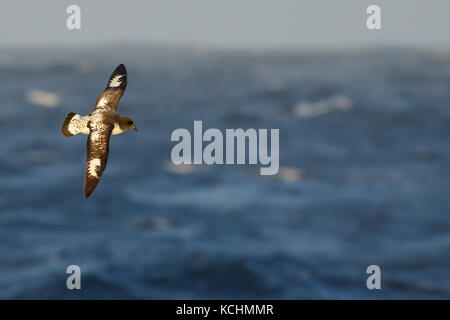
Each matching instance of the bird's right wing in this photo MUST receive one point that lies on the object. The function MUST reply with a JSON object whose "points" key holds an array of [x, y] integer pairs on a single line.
{"points": [[97, 156], [115, 89]]}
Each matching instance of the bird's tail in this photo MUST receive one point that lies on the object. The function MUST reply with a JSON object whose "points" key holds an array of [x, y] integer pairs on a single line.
{"points": [[68, 128]]}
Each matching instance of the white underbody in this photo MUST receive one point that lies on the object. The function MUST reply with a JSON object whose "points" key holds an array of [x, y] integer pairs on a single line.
{"points": [[117, 129]]}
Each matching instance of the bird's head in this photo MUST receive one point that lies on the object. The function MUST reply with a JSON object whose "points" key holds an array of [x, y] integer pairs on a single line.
{"points": [[126, 123]]}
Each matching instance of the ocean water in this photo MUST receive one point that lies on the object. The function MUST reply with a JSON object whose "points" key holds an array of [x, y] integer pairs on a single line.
{"points": [[364, 176]]}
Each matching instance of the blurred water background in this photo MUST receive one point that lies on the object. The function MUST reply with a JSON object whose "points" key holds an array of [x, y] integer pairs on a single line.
{"points": [[364, 176]]}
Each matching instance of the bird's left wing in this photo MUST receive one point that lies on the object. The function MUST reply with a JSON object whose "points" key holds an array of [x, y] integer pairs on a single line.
{"points": [[97, 156], [115, 89]]}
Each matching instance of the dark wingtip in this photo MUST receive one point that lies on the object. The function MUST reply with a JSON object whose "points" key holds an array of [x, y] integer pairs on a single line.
{"points": [[120, 69], [87, 192]]}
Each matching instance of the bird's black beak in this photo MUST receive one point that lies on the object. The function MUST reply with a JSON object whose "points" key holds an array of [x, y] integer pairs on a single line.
{"points": [[134, 128]]}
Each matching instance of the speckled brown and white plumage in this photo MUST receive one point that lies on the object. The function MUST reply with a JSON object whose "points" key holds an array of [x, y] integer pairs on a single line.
{"points": [[100, 124]]}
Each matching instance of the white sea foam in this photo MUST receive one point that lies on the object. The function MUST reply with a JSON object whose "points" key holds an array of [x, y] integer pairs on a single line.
{"points": [[289, 174], [43, 98], [181, 169], [314, 109]]}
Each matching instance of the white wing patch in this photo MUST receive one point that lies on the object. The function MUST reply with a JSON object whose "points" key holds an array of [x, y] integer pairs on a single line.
{"points": [[115, 82], [92, 167]]}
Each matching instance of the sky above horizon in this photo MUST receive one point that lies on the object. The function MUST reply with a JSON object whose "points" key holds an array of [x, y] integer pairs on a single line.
{"points": [[229, 24]]}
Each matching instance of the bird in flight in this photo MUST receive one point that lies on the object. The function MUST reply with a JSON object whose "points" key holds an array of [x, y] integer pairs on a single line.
{"points": [[99, 125]]}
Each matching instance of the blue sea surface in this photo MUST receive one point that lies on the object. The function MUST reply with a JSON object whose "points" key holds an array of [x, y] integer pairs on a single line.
{"points": [[364, 176]]}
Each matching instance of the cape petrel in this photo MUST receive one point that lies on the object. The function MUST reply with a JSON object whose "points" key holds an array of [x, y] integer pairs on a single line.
{"points": [[99, 125]]}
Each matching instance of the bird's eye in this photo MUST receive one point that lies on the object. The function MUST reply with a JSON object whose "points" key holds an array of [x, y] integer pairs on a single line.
{"points": [[130, 122]]}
